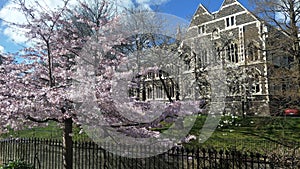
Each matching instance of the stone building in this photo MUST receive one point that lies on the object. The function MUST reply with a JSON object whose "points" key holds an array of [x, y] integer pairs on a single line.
{"points": [[237, 40]]}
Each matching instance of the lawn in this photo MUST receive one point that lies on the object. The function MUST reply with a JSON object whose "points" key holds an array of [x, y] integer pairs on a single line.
{"points": [[252, 133], [249, 133], [51, 131]]}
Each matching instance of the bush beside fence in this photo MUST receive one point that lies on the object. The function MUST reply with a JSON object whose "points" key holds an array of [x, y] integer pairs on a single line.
{"points": [[47, 154]]}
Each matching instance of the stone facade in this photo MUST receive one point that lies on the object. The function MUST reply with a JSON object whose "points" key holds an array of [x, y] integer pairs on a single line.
{"points": [[234, 39], [239, 41]]}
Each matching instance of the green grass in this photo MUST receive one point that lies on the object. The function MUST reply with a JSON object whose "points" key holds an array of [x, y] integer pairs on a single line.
{"points": [[52, 131], [249, 133]]}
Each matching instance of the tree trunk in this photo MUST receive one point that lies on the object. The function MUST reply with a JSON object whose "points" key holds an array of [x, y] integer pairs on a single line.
{"points": [[68, 144], [165, 86]]}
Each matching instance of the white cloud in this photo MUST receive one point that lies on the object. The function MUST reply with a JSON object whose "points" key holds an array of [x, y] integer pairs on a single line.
{"points": [[142, 4], [15, 34], [151, 2], [121, 4], [10, 13], [2, 50], [146, 4]]}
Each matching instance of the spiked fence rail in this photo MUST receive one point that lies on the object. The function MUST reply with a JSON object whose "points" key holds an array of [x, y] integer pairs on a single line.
{"points": [[47, 154]]}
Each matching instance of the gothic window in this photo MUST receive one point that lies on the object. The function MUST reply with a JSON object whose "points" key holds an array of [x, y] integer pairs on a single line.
{"points": [[171, 91], [149, 92], [255, 82], [253, 52], [232, 53], [203, 58], [159, 92], [152, 87]]}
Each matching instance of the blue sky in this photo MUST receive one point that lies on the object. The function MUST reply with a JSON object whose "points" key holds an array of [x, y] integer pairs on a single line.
{"points": [[186, 8], [181, 8]]}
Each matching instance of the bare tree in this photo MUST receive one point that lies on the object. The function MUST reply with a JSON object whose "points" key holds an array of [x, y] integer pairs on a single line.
{"points": [[284, 15], [283, 18]]}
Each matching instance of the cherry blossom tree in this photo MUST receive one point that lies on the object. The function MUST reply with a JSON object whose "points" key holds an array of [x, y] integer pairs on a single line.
{"points": [[37, 89], [42, 87]]}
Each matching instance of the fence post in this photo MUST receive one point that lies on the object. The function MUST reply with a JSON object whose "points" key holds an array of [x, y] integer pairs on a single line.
{"points": [[265, 161], [204, 157], [198, 158], [215, 152], [239, 156], [210, 158], [227, 158], [233, 158], [36, 160], [258, 159], [182, 157], [68, 144], [105, 156], [252, 160], [221, 152], [246, 160], [92, 146]]}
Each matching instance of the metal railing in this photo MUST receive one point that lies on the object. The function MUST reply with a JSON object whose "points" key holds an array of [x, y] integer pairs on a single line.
{"points": [[47, 154]]}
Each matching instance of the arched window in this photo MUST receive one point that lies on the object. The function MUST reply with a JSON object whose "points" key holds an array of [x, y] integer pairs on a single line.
{"points": [[172, 90], [218, 55], [232, 53], [159, 92], [218, 52], [149, 92], [255, 82], [203, 58], [253, 52]]}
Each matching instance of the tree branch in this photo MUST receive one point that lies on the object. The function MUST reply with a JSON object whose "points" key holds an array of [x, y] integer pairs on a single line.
{"points": [[41, 120]]}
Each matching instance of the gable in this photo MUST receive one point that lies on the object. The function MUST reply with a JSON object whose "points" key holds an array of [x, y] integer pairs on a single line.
{"points": [[228, 2], [233, 7], [201, 15], [229, 10]]}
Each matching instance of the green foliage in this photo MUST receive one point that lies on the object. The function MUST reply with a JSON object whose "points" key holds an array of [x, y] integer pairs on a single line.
{"points": [[52, 131], [17, 164]]}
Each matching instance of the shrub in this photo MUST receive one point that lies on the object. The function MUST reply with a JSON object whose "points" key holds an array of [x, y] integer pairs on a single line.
{"points": [[17, 164]]}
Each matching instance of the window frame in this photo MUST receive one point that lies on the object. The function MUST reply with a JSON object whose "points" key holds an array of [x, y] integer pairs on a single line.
{"points": [[230, 21], [201, 29]]}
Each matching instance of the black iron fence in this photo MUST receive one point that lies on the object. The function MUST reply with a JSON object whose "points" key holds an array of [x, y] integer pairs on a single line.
{"points": [[47, 154]]}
